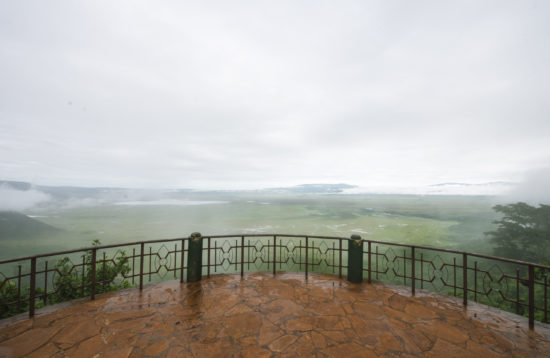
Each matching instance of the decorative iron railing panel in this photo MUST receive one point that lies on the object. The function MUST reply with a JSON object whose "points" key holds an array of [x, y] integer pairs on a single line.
{"points": [[515, 286], [254, 253]]}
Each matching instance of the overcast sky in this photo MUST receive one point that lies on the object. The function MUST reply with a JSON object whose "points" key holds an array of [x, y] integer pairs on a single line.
{"points": [[252, 94]]}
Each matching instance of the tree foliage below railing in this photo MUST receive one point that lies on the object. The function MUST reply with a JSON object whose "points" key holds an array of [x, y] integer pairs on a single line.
{"points": [[523, 232], [68, 283]]}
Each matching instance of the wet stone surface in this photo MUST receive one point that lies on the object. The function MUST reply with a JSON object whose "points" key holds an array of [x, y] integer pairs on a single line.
{"points": [[266, 316]]}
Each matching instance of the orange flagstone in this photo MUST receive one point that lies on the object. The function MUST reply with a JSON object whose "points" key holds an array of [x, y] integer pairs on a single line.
{"points": [[262, 315]]}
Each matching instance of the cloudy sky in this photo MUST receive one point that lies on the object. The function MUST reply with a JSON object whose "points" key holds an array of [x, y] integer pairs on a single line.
{"points": [[235, 94]]}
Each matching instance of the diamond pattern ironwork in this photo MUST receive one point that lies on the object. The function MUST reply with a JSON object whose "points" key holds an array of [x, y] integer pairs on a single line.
{"points": [[163, 252], [226, 246]]}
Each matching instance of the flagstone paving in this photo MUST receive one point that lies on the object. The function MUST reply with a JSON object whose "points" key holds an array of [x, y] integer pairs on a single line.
{"points": [[266, 316]]}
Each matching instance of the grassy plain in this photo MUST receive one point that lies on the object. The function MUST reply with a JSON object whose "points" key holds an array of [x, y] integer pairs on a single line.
{"points": [[441, 221]]}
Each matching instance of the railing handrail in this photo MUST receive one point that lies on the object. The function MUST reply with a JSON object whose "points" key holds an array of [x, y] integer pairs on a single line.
{"points": [[451, 251]]}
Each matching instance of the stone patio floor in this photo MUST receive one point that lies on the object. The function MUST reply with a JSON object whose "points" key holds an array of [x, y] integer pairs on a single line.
{"points": [[266, 316]]}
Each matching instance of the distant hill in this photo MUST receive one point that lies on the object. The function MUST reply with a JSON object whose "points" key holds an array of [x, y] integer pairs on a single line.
{"points": [[18, 185], [105, 194], [59, 192], [315, 188], [14, 225], [491, 183]]}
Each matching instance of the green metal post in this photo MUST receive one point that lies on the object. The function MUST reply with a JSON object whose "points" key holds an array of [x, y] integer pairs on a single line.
{"points": [[194, 258], [355, 259]]}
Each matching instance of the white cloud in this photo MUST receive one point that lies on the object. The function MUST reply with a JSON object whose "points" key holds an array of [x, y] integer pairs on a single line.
{"points": [[235, 94], [533, 189], [17, 200]]}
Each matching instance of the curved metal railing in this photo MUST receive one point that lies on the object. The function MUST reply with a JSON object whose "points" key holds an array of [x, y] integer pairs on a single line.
{"points": [[516, 286]]}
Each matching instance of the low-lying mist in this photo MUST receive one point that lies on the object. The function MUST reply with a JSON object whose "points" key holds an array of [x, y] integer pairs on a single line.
{"points": [[18, 200], [534, 189]]}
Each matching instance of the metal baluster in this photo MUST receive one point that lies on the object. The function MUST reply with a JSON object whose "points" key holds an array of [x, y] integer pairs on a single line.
{"points": [[274, 255], [312, 254], [333, 261], [281, 254], [182, 259], [421, 271], [133, 265], [340, 261], [454, 276], [307, 246], [545, 299], [234, 250], [413, 272], [175, 259], [404, 267], [92, 289], [370, 261], [475, 281], [465, 278], [150, 258], [531, 297], [19, 288], [46, 283], [208, 258], [83, 271], [33, 287], [517, 290], [376, 262], [141, 258], [104, 274], [242, 256]]}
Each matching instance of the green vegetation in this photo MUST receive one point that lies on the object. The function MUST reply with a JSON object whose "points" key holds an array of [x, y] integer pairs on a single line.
{"points": [[523, 232], [449, 222], [68, 284], [15, 225]]}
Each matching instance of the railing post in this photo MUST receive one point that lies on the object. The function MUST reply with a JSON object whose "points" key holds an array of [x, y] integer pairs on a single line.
{"points": [[141, 258], [465, 278], [413, 271], [33, 287], [194, 258], [355, 259], [92, 289], [531, 296]]}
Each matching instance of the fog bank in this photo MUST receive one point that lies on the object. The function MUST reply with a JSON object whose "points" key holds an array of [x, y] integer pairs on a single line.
{"points": [[534, 189], [18, 200]]}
